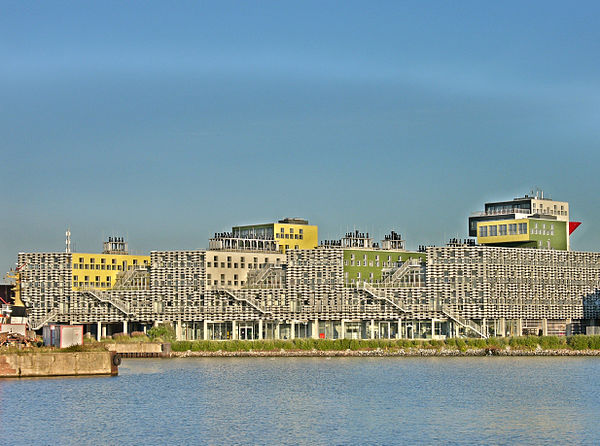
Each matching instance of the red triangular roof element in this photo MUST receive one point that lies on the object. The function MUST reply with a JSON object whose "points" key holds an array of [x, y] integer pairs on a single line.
{"points": [[573, 225]]}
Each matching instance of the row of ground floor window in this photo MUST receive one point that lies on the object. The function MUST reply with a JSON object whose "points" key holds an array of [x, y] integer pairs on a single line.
{"points": [[345, 329]]}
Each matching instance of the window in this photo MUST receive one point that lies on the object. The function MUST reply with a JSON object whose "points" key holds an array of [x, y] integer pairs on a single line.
{"points": [[493, 230], [483, 231], [300, 231], [216, 258], [291, 230], [80, 259], [296, 247], [502, 229], [522, 228], [512, 229]]}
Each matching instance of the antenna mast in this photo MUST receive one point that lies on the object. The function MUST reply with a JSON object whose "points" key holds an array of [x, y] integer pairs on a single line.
{"points": [[68, 241]]}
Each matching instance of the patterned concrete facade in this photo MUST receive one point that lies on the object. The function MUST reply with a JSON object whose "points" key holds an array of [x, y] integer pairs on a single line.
{"points": [[462, 290]]}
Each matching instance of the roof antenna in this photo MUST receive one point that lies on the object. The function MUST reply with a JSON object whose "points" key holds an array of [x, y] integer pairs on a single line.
{"points": [[68, 241]]}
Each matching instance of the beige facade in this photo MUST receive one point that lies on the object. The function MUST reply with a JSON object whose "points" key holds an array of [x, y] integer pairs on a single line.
{"points": [[558, 209], [229, 269]]}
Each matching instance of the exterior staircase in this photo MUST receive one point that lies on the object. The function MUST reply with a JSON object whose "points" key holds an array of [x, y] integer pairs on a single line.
{"points": [[248, 299], [37, 324], [107, 298], [265, 272], [467, 323], [373, 292], [402, 270], [125, 278]]}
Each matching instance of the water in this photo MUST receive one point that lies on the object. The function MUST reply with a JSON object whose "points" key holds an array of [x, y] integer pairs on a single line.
{"points": [[311, 401]]}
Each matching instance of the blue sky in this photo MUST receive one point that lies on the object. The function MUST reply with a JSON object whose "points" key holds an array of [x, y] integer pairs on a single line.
{"points": [[168, 121]]}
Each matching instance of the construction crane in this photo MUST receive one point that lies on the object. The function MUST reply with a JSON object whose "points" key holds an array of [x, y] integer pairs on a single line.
{"points": [[15, 274]]}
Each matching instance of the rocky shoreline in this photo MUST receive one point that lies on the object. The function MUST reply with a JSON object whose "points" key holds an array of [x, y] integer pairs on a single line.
{"points": [[416, 352]]}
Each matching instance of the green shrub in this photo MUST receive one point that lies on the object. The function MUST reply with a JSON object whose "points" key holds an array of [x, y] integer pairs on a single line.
{"points": [[496, 342], [164, 332], [524, 342], [578, 342], [594, 342], [550, 342], [476, 342]]}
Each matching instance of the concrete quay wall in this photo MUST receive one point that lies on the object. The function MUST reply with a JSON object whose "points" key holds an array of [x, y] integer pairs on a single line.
{"points": [[135, 347], [140, 349], [45, 364]]}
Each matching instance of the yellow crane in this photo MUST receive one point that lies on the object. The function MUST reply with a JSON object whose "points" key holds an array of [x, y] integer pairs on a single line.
{"points": [[15, 274]]}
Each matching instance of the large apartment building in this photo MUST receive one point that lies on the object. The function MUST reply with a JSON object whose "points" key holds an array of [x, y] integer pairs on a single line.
{"points": [[246, 286]]}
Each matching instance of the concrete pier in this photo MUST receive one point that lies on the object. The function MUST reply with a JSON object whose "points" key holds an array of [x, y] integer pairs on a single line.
{"points": [[45, 364]]}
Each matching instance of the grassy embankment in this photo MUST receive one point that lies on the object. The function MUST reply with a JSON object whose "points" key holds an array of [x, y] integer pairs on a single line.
{"points": [[577, 342]]}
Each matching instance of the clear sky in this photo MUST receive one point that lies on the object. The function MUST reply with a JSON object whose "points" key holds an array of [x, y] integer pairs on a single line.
{"points": [[168, 121]]}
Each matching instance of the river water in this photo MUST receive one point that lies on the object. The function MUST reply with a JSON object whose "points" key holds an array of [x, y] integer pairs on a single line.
{"points": [[311, 401]]}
